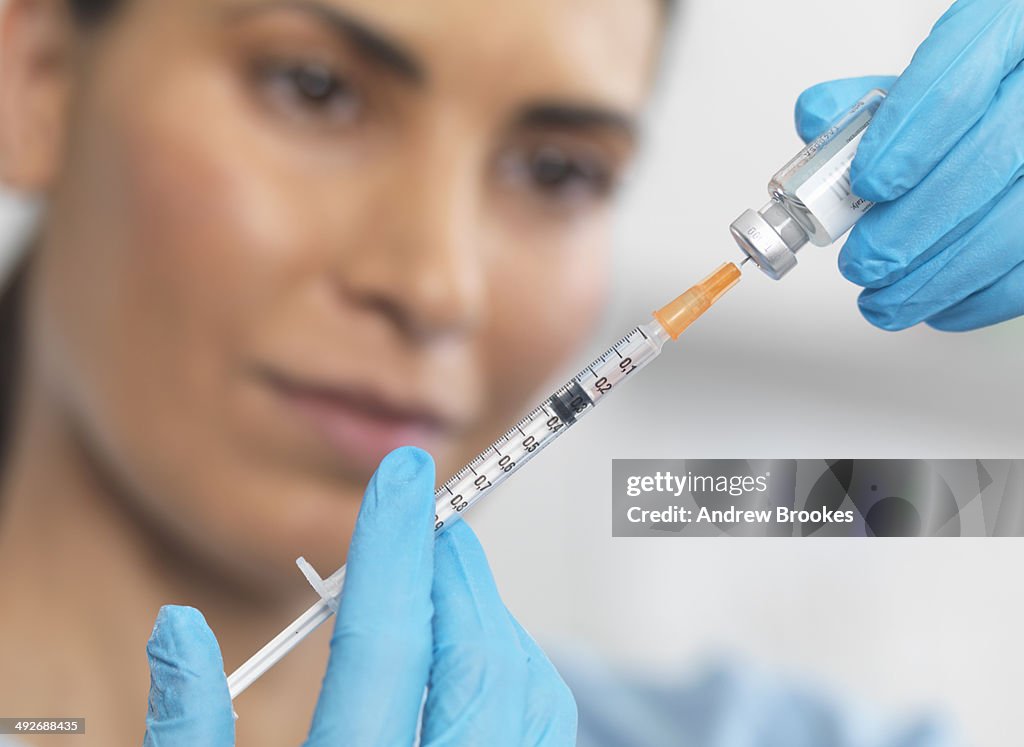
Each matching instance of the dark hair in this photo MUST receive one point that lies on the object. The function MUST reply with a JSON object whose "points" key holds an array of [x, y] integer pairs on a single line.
{"points": [[11, 312], [12, 287], [88, 11]]}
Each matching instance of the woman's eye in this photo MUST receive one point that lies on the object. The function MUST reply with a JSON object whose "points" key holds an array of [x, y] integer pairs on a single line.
{"points": [[311, 91], [315, 83], [556, 174]]}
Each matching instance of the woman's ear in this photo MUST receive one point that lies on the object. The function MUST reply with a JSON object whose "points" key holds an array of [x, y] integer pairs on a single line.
{"points": [[36, 38]]}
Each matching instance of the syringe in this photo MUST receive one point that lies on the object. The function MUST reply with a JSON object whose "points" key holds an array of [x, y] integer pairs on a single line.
{"points": [[531, 435]]}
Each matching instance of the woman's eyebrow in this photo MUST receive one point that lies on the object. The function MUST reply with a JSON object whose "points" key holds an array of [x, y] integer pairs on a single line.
{"points": [[370, 43], [578, 117]]}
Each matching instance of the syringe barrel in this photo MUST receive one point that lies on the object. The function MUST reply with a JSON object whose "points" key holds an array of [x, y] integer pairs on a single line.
{"points": [[556, 415], [811, 196]]}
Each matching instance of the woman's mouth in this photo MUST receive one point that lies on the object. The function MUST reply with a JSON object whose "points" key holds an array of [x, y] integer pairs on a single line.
{"points": [[361, 427]]}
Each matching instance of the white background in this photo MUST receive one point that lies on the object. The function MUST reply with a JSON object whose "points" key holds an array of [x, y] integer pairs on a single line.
{"points": [[784, 370]]}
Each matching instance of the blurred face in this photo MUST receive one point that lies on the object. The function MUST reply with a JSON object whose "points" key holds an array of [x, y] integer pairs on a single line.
{"points": [[289, 237]]}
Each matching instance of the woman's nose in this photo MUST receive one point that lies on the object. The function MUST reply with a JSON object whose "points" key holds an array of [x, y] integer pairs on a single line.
{"points": [[419, 261]]}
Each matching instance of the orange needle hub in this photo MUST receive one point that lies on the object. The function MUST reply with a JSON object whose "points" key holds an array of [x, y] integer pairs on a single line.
{"points": [[689, 307]]}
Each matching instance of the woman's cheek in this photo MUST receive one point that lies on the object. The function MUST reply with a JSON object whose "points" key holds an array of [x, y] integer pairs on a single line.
{"points": [[175, 243], [546, 300], [170, 244]]}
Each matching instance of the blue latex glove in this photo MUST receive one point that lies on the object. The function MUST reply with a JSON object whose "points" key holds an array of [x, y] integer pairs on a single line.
{"points": [[414, 613], [729, 705], [944, 158]]}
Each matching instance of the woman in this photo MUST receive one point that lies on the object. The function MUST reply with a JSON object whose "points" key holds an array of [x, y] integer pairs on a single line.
{"points": [[280, 240]]}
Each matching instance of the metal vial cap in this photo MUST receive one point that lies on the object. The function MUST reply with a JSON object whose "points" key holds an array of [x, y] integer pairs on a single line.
{"points": [[770, 237]]}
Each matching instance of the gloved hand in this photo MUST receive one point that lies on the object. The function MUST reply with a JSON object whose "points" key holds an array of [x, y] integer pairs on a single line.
{"points": [[414, 612], [944, 158]]}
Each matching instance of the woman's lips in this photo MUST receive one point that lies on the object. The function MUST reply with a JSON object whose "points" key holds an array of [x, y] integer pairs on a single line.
{"points": [[361, 428]]}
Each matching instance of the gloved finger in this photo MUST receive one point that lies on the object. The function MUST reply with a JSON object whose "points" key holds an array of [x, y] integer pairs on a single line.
{"points": [[479, 678], [895, 237], [550, 716], [976, 260], [189, 702], [381, 647], [821, 105], [1000, 302], [945, 91]]}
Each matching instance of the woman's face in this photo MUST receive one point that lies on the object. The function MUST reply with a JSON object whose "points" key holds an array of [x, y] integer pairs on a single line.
{"points": [[289, 237]]}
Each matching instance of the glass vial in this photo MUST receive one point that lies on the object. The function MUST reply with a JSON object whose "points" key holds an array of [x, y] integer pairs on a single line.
{"points": [[811, 197]]}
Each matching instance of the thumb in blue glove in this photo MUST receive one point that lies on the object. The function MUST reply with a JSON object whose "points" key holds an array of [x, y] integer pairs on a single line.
{"points": [[821, 105], [189, 703], [417, 616]]}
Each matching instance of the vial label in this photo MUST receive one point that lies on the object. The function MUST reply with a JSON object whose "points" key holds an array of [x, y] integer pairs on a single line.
{"points": [[814, 188], [826, 193]]}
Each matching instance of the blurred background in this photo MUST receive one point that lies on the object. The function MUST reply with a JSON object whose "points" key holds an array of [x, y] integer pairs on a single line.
{"points": [[898, 625]]}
